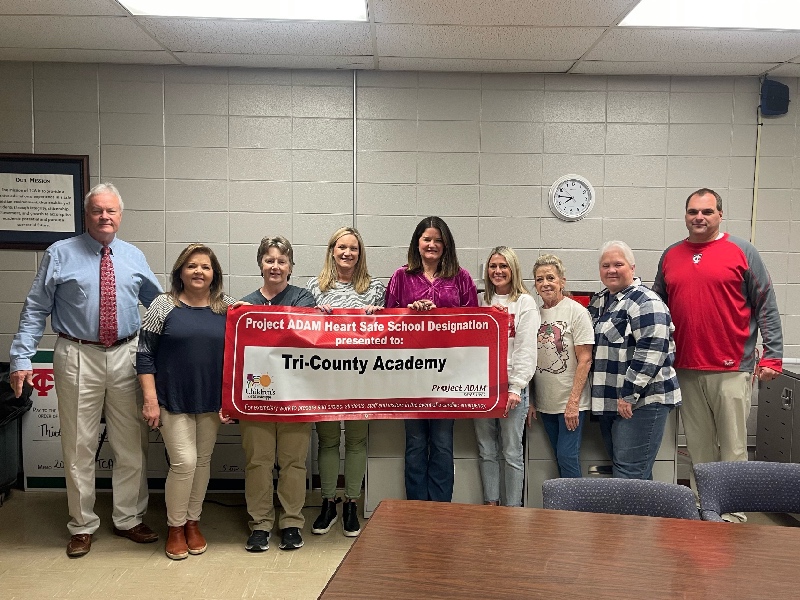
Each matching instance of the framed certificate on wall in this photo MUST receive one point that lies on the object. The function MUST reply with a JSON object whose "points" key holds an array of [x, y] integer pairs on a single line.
{"points": [[41, 199]]}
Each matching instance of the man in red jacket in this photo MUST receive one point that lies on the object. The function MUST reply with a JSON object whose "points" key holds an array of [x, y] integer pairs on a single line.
{"points": [[720, 295]]}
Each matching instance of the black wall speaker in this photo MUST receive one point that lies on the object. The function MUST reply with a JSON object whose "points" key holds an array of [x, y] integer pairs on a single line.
{"points": [[774, 98]]}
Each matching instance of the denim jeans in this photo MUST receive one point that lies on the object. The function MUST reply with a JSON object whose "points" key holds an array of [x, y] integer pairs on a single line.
{"points": [[633, 443], [501, 439], [566, 444], [429, 459]]}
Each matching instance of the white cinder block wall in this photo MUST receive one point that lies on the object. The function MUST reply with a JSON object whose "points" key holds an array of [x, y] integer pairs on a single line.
{"points": [[226, 156]]}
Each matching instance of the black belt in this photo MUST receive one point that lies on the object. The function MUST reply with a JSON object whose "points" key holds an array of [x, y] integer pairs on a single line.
{"points": [[90, 343]]}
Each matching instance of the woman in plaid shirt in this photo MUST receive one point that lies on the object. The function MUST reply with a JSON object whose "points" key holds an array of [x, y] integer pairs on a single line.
{"points": [[634, 385]]}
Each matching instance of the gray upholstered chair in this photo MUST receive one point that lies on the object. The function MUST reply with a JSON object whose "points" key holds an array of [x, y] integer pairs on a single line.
{"points": [[756, 486], [621, 497]]}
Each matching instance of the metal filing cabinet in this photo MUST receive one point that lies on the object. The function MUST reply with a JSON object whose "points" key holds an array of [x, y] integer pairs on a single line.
{"points": [[778, 433]]}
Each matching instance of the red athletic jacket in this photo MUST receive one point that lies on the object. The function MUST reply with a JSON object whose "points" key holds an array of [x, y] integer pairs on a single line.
{"points": [[720, 295]]}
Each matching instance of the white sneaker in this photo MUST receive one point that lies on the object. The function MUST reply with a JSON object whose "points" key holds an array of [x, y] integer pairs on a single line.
{"points": [[735, 517]]}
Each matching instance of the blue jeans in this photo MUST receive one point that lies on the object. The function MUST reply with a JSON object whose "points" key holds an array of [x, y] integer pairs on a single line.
{"points": [[503, 435], [633, 443], [566, 444], [429, 459]]}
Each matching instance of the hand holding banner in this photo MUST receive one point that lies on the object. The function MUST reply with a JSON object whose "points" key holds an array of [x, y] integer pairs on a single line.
{"points": [[284, 363]]}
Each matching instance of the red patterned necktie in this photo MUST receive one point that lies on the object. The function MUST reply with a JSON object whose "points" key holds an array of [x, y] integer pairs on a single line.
{"points": [[108, 299]]}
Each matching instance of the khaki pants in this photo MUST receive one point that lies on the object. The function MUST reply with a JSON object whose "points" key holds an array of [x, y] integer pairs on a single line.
{"points": [[91, 381], [715, 408], [263, 443], [189, 440]]}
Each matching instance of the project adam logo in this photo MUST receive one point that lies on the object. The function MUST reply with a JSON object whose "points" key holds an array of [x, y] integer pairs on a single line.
{"points": [[258, 386]]}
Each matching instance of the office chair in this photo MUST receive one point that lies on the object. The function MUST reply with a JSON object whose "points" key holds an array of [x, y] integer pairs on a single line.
{"points": [[757, 486], [621, 497]]}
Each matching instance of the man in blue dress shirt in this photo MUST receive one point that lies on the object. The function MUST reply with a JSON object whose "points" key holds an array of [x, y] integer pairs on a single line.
{"points": [[92, 377]]}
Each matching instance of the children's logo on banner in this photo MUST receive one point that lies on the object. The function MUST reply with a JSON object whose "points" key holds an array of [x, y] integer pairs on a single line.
{"points": [[284, 363], [257, 386]]}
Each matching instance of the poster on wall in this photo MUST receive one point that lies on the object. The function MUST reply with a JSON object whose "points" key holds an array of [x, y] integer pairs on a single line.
{"points": [[285, 363], [41, 199], [42, 458]]}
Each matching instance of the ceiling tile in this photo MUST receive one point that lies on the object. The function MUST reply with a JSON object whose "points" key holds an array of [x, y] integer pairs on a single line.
{"points": [[539, 36], [272, 61], [453, 41], [598, 67], [88, 56], [787, 70], [261, 37], [60, 7], [508, 12], [118, 33], [696, 45], [476, 65]]}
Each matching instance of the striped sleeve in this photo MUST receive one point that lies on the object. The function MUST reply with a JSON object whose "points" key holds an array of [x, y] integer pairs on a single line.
{"points": [[377, 292], [150, 334]]}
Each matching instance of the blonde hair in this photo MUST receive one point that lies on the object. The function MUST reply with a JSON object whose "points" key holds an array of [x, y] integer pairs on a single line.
{"points": [[215, 293], [551, 260], [517, 285], [329, 274]]}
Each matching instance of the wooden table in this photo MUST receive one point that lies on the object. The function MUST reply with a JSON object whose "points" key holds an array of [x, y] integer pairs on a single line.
{"points": [[424, 550]]}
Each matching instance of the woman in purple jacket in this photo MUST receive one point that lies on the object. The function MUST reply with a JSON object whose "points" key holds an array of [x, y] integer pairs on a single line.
{"points": [[432, 278]]}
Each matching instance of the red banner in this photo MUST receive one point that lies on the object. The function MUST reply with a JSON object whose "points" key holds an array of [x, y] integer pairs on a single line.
{"points": [[297, 364]]}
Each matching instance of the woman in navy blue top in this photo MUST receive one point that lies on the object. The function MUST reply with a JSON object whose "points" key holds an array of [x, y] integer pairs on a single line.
{"points": [[179, 363]]}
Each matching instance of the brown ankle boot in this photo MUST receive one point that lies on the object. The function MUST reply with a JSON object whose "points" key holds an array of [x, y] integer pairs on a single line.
{"points": [[194, 539], [176, 547]]}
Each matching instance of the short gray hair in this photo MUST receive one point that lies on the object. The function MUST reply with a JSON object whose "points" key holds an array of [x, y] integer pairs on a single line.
{"points": [[103, 188], [279, 242], [626, 251]]}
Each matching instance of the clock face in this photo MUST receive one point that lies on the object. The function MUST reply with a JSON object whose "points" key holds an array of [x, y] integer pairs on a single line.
{"points": [[571, 198]]}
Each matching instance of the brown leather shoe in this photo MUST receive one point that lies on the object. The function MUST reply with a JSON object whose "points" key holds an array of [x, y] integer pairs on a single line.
{"points": [[79, 544], [176, 547], [141, 534], [194, 539]]}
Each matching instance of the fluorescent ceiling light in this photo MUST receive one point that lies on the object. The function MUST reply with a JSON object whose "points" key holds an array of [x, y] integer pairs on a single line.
{"points": [[305, 10], [736, 14]]}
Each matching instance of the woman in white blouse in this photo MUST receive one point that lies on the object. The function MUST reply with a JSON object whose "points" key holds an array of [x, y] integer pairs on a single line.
{"points": [[502, 438]]}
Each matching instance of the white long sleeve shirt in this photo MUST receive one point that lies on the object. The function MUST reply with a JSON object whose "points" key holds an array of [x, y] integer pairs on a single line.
{"points": [[522, 346]]}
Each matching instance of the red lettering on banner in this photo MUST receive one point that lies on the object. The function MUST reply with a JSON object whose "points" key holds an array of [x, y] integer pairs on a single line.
{"points": [[285, 363]]}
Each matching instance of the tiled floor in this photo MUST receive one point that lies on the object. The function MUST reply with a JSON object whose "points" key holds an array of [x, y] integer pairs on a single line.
{"points": [[34, 564]]}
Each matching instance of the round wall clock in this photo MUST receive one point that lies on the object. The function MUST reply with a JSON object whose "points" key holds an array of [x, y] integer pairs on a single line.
{"points": [[571, 197]]}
